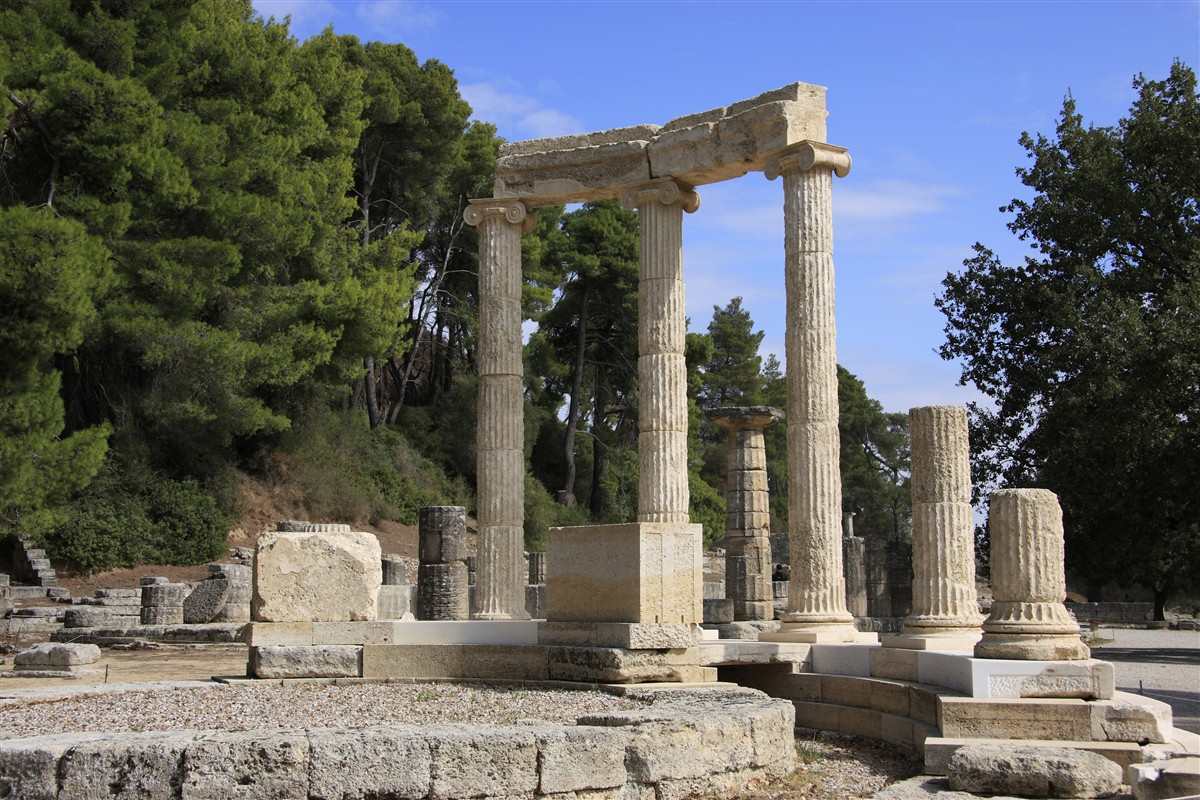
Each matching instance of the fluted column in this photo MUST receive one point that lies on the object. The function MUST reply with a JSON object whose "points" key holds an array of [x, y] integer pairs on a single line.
{"points": [[943, 527], [817, 599], [854, 557], [747, 540], [500, 433], [662, 372], [1028, 620]]}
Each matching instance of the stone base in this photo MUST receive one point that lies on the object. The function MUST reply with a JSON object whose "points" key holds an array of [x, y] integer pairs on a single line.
{"points": [[626, 635], [807, 633], [44, 671], [1032, 647], [312, 661], [963, 641], [746, 629], [614, 665]]}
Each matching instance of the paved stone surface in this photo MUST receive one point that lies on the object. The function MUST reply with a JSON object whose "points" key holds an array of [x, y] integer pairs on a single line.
{"points": [[1164, 665]]}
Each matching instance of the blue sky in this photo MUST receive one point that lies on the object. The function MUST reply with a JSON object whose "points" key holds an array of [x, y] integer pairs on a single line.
{"points": [[929, 98]]}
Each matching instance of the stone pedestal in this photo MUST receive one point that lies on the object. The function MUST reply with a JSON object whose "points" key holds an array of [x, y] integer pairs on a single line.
{"points": [[500, 436], [944, 603], [662, 371], [817, 595], [640, 572], [747, 540], [1028, 620]]}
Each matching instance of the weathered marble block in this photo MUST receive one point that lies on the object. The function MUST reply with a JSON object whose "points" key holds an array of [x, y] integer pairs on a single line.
{"points": [[319, 576], [648, 572]]}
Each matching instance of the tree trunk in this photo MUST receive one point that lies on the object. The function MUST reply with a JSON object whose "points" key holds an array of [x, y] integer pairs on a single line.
{"points": [[1160, 603], [369, 386], [566, 495], [596, 501]]}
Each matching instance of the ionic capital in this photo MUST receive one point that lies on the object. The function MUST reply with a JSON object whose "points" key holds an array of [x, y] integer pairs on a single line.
{"points": [[513, 211], [667, 191], [806, 155]]}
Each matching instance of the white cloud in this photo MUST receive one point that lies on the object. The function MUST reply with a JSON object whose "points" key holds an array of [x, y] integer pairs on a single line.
{"points": [[397, 16], [302, 12], [877, 202], [515, 113]]}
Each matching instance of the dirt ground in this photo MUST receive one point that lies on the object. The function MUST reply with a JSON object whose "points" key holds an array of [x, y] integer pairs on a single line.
{"points": [[165, 663]]}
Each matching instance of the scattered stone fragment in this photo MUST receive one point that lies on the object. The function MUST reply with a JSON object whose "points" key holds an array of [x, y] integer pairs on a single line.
{"points": [[1032, 771]]}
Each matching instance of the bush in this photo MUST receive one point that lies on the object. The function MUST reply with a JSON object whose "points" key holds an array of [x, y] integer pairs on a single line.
{"points": [[349, 472], [132, 514], [543, 512]]}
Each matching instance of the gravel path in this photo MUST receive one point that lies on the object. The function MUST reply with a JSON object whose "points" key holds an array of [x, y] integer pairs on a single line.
{"points": [[831, 766], [302, 706]]}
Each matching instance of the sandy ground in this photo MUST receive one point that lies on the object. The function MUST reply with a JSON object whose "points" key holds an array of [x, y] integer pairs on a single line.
{"points": [[1164, 665], [167, 663]]}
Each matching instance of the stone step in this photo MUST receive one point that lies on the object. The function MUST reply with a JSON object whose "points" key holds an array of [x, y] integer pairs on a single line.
{"points": [[1125, 718], [939, 749], [39, 564], [35, 553]]}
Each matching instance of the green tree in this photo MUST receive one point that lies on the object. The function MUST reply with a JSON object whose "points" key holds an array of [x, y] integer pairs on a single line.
{"points": [[732, 374], [1090, 349], [49, 270]]}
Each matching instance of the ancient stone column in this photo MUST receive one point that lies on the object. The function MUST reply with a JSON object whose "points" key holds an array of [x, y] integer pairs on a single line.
{"points": [[944, 602], [500, 435], [537, 568], [662, 373], [442, 584], [747, 540], [1028, 620], [817, 595], [879, 593], [854, 555]]}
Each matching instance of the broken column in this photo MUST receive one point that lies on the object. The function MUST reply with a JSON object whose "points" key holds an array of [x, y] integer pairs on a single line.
{"points": [[442, 587], [945, 609], [500, 434], [854, 554], [162, 603], [1028, 620], [817, 594], [223, 597], [747, 540], [662, 371]]}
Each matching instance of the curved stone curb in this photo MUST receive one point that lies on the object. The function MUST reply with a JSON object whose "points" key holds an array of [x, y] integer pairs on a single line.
{"points": [[682, 743]]}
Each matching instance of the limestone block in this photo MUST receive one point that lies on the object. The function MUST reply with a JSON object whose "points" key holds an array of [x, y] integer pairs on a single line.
{"points": [[413, 661], [505, 662], [1015, 719], [152, 580], [631, 636], [582, 758], [368, 763], [54, 654], [639, 572], [398, 570], [162, 615], [142, 765], [316, 577], [375, 632], [1166, 778], [939, 749], [29, 767], [396, 601], [1130, 718], [1032, 771], [130, 596], [304, 526], [535, 601], [500, 761], [718, 611], [251, 765], [263, 634], [96, 617], [578, 140], [314, 661], [165, 594], [614, 665], [576, 174], [689, 747], [442, 534]]}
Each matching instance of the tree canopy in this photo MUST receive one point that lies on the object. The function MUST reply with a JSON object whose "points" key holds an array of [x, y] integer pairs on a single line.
{"points": [[1090, 349]]}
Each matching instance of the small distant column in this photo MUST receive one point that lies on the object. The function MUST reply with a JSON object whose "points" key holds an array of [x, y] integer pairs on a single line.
{"points": [[854, 556], [500, 435], [1028, 620], [879, 594], [662, 372], [442, 591], [817, 595], [944, 602], [747, 540]]}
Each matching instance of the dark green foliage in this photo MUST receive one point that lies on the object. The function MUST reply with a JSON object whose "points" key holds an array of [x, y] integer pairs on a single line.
{"points": [[1090, 350], [349, 472]]}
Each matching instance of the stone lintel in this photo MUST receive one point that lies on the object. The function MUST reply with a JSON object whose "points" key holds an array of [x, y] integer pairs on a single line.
{"points": [[697, 149], [627, 635]]}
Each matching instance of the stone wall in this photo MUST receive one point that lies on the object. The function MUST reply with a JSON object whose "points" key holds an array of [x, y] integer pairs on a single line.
{"points": [[683, 743]]}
